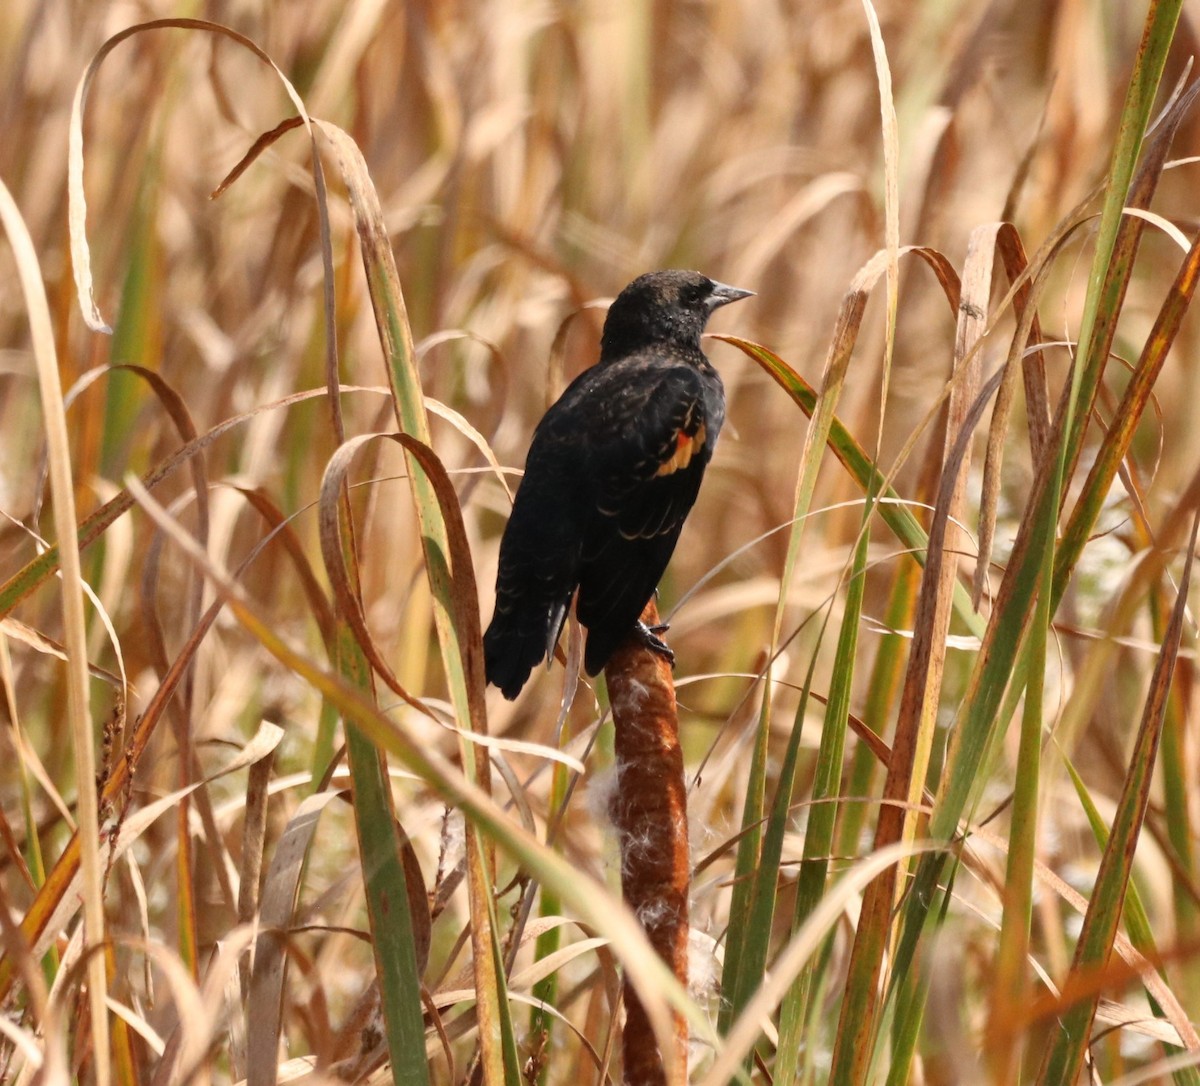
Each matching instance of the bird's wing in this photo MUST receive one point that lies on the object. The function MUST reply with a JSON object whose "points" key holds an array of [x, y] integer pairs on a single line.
{"points": [[648, 476], [649, 468]]}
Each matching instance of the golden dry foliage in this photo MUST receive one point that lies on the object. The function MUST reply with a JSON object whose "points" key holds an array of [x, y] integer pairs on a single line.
{"points": [[530, 158]]}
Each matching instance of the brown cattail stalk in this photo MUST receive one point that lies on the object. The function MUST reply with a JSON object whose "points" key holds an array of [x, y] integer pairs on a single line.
{"points": [[649, 810]]}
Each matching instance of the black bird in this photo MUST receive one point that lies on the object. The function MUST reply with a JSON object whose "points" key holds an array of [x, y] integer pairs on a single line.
{"points": [[613, 468]]}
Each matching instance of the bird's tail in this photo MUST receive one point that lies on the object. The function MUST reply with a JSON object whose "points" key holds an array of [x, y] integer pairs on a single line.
{"points": [[516, 641]]}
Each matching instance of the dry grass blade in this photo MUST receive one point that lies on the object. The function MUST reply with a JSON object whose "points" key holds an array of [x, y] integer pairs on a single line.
{"points": [[459, 572], [837, 362], [508, 167], [917, 705], [934, 623], [181, 708], [78, 710], [1165, 225], [256, 148], [177, 410], [254, 837], [459, 422], [333, 550], [891, 198], [264, 1006], [81, 258], [20, 584], [594, 906], [281, 527], [1025, 351], [18, 631], [13, 851], [1157, 1070]]}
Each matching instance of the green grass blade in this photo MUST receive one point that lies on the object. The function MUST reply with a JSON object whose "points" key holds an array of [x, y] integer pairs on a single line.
{"points": [[746, 863], [978, 712], [760, 914], [1069, 1042], [891, 508], [1136, 920], [388, 893], [822, 817], [1011, 986], [594, 906], [1107, 278], [460, 640]]}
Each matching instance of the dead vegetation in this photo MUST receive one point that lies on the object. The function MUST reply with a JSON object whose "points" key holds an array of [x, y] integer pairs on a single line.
{"points": [[276, 597]]}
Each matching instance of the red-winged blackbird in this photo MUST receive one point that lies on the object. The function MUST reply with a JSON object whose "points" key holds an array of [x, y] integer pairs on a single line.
{"points": [[613, 468]]}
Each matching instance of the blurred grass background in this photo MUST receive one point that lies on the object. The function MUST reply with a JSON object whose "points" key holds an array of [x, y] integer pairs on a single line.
{"points": [[532, 158]]}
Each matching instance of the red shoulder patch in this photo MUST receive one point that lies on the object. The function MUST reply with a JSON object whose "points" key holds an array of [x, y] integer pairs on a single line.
{"points": [[686, 446]]}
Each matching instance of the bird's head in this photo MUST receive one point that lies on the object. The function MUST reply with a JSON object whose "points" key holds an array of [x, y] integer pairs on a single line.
{"points": [[664, 307]]}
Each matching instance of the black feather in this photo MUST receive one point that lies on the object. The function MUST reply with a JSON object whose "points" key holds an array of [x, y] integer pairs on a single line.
{"points": [[613, 470]]}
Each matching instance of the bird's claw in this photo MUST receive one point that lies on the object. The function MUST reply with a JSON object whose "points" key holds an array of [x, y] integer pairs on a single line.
{"points": [[649, 637]]}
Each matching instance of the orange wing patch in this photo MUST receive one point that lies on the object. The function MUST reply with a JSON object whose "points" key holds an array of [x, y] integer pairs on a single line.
{"points": [[686, 446]]}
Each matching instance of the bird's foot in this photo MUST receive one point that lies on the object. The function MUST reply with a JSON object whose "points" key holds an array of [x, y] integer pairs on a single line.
{"points": [[649, 637]]}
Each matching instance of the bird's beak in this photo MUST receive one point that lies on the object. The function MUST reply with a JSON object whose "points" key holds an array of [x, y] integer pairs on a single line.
{"points": [[723, 294]]}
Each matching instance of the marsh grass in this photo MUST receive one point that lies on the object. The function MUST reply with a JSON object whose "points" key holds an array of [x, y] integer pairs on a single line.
{"points": [[936, 658]]}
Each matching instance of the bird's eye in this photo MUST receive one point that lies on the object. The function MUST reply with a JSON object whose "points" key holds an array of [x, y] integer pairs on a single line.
{"points": [[695, 293]]}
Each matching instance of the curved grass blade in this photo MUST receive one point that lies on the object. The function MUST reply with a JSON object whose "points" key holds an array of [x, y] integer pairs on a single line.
{"points": [[264, 1004], [81, 258], [978, 713], [40, 569], [460, 653], [114, 794], [893, 511], [593, 904]]}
